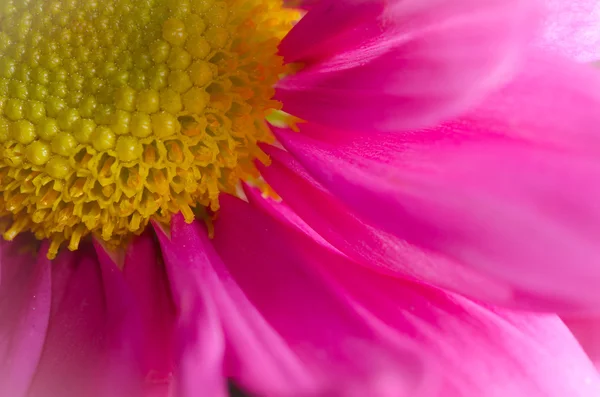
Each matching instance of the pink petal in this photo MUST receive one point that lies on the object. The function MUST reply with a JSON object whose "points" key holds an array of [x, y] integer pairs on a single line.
{"points": [[256, 356], [365, 244], [308, 294], [587, 332], [495, 206], [198, 338], [552, 100], [323, 330], [281, 211], [90, 347], [265, 362], [393, 65], [146, 276], [573, 29], [493, 191], [24, 310]]}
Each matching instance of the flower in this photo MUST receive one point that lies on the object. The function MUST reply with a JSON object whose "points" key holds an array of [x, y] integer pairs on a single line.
{"points": [[127, 121]]}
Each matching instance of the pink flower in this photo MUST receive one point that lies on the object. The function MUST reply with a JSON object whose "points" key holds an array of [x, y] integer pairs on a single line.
{"points": [[445, 176]]}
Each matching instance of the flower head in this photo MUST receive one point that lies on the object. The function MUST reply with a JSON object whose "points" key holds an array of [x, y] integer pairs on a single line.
{"points": [[420, 151], [114, 114]]}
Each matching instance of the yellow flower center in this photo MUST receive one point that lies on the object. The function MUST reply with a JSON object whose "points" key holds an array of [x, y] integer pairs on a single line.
{"points": [[116, 112]]}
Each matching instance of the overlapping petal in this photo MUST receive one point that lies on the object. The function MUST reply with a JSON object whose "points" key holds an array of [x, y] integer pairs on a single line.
{"points": [[395, 65], [25, 290], [509, 189], [479, 351], [198, 339], [371, 246], [277, 354], [86, 343], [146, 277], [587, 331]]}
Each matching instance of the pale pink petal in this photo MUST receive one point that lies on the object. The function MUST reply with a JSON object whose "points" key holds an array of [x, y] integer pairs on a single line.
{"points": [[198, 339], [24, 312], [551, 100], [145, 274], [510, 190], [91, 345], [391, 65], [294, 282], [572, 27], [587, 332]]}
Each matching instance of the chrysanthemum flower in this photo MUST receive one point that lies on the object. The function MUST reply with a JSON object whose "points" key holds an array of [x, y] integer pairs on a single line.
{"points": [[429, 159]]}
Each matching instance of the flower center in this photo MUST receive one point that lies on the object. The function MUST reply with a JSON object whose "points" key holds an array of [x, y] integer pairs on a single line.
{"points": [[116, 112]]}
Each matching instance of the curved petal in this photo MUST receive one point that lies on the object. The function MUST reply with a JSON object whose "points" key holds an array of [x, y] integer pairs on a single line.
{"points": [[256, 356], [573, 29], [91, 345], [24, 310], [369, 245], [552, 100], [147, 279], [396, 65], [261, 358], [198, 337], [284, 213], [480, 352], [509, 190], [587, 332], [321, 328]]}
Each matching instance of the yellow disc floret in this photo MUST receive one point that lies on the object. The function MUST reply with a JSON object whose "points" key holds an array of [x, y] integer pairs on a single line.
{"points": [[117, 112]]}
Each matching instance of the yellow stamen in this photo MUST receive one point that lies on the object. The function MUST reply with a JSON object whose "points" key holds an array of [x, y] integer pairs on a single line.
{"points": [[118, 112]]}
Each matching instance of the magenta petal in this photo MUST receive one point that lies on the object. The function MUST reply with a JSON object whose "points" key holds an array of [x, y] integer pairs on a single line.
{"points": [[522, 213], [24, 312], [198, 339], [146, 277], [123, 331], [306, 292], [552, 100], [91, 345], [396, 65], [323, 329], [257, 358], [587, 332], [573, 29], [508, 190], [370, 246], [281, 211], [264, 362], [367, 245]]}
